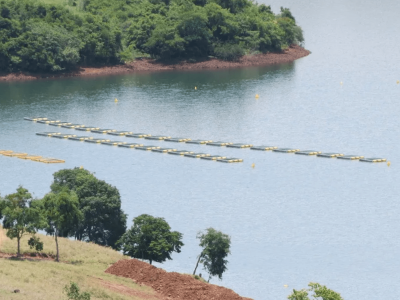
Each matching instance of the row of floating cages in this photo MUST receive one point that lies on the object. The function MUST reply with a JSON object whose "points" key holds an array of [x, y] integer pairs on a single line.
{"points": [[139, 146], [27, 156], [185, 140]]}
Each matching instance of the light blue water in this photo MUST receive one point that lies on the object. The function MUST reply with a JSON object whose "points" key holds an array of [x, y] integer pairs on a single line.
{"points": [[292, 219]]}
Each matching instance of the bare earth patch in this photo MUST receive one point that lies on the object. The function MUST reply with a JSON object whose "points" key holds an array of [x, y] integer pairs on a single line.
{"points": [[171, 285], [150, 65]]}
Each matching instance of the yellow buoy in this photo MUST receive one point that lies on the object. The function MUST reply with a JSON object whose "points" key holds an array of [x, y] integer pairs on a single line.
{"points": [[341, 83], [257, 96], [285, 285], [253, 165], [195, 87], [115, 100], [81, 167], [388, 163], [398, 81]]}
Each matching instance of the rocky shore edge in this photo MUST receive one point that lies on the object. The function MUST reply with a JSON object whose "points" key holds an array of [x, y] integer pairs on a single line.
{"points": [[150, 65]]}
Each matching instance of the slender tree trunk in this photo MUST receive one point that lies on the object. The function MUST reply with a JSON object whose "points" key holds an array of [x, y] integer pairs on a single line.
{"points": [[57, 257], [150, 260], [194, 272], [19, 248]]}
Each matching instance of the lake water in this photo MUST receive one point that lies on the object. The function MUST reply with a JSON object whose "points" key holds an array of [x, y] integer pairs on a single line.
{"points": [[292, 219]]}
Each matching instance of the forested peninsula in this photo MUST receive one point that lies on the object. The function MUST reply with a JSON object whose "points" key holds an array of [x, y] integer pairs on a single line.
{"points": [[61, 36]]}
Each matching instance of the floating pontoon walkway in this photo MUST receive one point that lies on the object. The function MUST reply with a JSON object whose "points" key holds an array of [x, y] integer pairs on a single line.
{"points": [[131, 134], [27, 156]]}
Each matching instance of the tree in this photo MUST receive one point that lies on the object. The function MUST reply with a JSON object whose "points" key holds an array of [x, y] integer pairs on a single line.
{"points": [[62, 212], [104, 222], [20, 216], [216, 247], [319, 292], [151, 238]]}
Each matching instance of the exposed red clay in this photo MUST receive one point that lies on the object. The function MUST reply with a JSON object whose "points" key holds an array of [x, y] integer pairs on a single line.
{"points": [[150, 65], [171, 285]]}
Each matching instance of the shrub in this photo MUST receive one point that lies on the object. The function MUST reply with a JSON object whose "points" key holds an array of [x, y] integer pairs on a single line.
{"points": [[230, 52]]}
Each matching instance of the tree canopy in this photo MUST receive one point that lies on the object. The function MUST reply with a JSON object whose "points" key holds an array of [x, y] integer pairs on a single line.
{"points": [[20, 216], [318, 292], [38, 36], [103, 221], [62, 212], [151, 238], [216, 247]]}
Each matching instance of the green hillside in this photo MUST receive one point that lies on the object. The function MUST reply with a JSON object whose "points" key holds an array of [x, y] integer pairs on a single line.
{"points": [[58, 35], [81, 262]]}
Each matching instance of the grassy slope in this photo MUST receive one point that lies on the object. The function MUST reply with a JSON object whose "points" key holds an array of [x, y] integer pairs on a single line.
{"points": [[82, 263]]}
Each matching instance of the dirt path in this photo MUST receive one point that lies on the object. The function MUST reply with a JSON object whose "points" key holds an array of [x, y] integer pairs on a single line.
{"points": [[150, 65]]}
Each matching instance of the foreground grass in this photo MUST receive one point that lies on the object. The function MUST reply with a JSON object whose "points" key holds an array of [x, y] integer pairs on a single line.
{"points": [[83, 263]]}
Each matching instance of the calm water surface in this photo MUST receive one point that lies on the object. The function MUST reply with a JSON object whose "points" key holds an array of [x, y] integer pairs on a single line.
{"points": [[292, 219]]}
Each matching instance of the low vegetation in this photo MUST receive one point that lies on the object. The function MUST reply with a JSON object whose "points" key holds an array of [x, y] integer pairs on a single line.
{"points": [[58, 35]]}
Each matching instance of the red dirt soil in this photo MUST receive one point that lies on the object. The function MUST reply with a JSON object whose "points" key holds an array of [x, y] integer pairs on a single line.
{"points": [[171, 285], [150, 65]]}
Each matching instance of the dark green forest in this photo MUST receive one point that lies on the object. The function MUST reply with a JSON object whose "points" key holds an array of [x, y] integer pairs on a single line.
{"points": [[59, 35]]}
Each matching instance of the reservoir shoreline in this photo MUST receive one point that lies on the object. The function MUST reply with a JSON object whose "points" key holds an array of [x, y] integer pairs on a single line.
{"points": [[150, 65]]}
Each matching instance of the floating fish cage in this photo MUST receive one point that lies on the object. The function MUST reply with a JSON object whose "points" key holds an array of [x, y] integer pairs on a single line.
{"points": [[213, 157], [35, 119], [263, 148], [373, 159], [330, 155], [48, 133], [219, 144], [130, 145], [49, 121], [197, 155], [87, 128], [147, 148], [230, 160], [181, 152], [177, 140], [63, 136], [73, 126], [350, 157], [138, 135], [157, 137], [308, 152], [103, 130], [163, 150], [239, 146], [97, 141], [201, 142], [113, 143], [49, 160], [59, 124], [15, 154], [6, 151], [120, 133], [286, 150], [31, 157], [80, 138]]}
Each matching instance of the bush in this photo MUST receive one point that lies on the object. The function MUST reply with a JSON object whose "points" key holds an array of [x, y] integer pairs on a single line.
{"points": [[73, 292], [35, 243], [229, 52]]}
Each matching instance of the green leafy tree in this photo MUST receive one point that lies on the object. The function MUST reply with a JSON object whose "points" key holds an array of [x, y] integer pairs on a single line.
{"points": [[216, 247], [73, 292], [104, 222], [20, 216], [151, 239], [62, 212], [318, 292]]}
